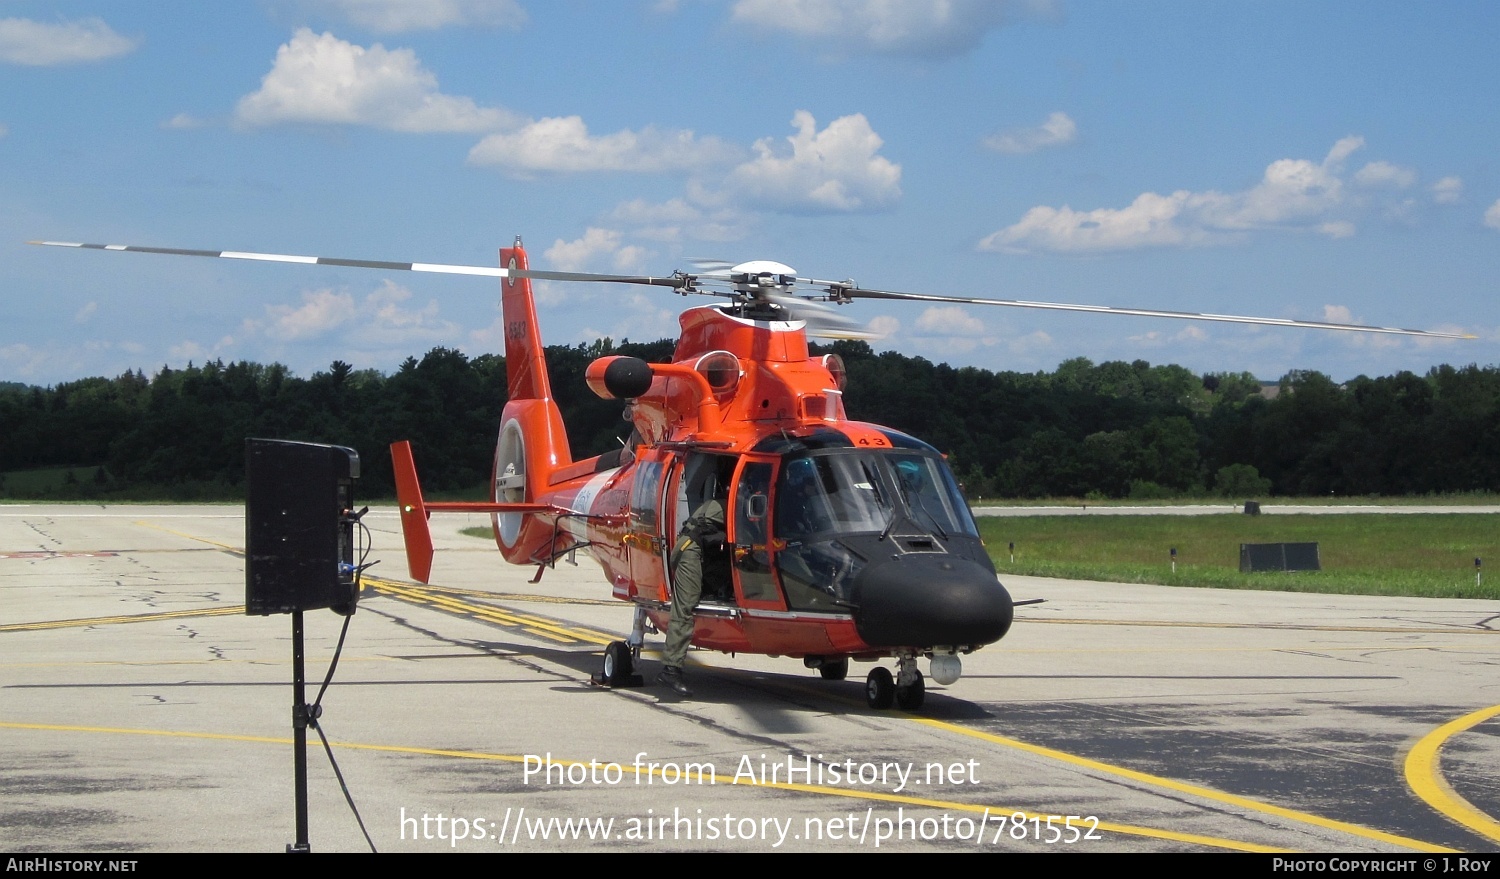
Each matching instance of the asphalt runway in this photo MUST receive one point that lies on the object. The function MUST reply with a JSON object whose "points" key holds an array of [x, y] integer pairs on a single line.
{"points": [[141, 711]]}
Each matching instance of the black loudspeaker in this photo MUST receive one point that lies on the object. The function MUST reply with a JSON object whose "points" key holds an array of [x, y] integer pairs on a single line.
{"points": [[299, 527]]}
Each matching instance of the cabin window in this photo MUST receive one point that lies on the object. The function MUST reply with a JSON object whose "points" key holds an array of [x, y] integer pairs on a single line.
{"points": [[645, 496]]}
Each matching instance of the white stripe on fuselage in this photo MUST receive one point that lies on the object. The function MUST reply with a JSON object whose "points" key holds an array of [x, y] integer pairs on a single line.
{"points": [[583, 502]]}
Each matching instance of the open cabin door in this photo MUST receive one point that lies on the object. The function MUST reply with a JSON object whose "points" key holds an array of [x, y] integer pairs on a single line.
{"points": [[755, 582], [668, 488]]}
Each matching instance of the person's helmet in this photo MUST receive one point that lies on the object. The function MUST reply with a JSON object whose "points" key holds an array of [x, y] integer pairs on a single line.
{"points": [[910, 473], [799, 474]]}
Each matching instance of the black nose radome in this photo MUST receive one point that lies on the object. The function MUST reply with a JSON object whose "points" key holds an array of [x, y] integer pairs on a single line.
{"points": [[928, 600]]}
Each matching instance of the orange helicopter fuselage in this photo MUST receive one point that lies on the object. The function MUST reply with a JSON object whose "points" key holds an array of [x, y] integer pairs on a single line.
{"points": [[741, 401]]}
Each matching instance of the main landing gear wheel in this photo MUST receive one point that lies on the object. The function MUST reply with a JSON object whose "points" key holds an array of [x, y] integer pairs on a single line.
{"points": [[911, 697], [834, 670], [880, 688], [619, 666]]}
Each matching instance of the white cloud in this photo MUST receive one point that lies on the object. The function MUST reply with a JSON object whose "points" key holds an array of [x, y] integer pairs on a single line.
{"points": [[1151, 220], [23, 41], [379, 318], [321, 312], [184, 121], [836, 169], [563, 145], [1343, 149], [1290, 190], [1382, 173], [1188, 335], [322, 79], [189, 350], [1034, 342], [596, 247], [1492, 216], [637, 315], [949, 320], [677, 218], [386, 321], [66, 361], [1292, 194], [948, 330], [1448, 190], [931, 28], [86, 312], [1058, 130], [21, 359], [397, 16], [1338, 314], [4, 131], [884, 325]]}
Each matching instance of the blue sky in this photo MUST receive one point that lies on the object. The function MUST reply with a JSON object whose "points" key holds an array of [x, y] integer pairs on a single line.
{"points": [[1314, 160]]}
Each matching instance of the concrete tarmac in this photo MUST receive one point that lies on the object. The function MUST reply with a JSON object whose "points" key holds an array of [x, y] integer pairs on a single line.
{"points": [[142, 711]]}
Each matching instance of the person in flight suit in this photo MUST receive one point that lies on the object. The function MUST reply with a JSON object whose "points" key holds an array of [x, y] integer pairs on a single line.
{"points": [[704, 528]]}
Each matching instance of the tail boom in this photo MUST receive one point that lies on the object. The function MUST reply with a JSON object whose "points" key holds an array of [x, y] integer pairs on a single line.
{"points": [[415, 511]]}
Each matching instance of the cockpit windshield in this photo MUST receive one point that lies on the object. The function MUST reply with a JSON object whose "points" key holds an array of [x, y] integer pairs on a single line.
{"points": [[831, 493], [834, 507], [853, 491]]}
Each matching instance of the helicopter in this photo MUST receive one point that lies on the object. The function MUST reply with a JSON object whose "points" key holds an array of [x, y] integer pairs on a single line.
{"points": [[844, 540]]}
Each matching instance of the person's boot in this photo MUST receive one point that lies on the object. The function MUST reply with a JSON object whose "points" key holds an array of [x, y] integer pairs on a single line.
{"points": [[671, 676]]}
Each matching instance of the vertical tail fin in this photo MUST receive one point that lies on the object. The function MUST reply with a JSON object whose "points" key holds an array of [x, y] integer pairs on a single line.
{"points": [[533, 443], [525, 360]]}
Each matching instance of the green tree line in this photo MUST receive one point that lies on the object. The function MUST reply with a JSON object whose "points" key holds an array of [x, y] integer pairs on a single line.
{"points": [[1113, 429]]}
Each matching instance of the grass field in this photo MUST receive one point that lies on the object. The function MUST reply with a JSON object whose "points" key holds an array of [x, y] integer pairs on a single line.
{"points": [[1420, 555], [1425, 555], [48, 479]]}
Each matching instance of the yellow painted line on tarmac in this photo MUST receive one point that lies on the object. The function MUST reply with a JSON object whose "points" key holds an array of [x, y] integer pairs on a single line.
{"points": [[548, 635], [522, 596], [224, 546], [153, 663], [1191, 789], [660, 770], [127, 618], [536, 625], [1424, 773]]}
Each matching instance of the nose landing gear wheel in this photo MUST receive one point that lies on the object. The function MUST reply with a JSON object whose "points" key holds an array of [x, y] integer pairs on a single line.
{"points": [[835, 670], [619, 666], [880, 689], [911, 697]]}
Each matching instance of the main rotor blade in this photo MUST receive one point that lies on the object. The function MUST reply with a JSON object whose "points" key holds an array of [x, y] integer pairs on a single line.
{"points": [[686, 283], [486, 271], [822, 321], [861, 293], [675, 282]]}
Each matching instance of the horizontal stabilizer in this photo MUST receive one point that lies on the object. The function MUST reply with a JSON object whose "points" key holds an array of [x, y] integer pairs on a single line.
{"points": [[485, 507]]}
